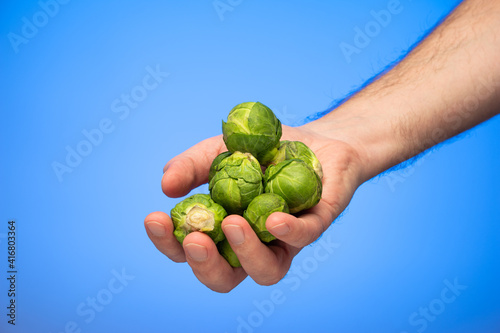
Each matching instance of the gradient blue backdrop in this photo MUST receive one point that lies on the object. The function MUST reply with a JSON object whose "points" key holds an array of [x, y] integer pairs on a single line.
{"points": [[405, 236]]}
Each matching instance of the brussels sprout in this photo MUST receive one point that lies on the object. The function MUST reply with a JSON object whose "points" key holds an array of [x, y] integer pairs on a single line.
{"points": [[198, 213], [215, 164], [297, 149], [227, 252], [259, 210], [237, 181], [252, 127], [296, 182]]}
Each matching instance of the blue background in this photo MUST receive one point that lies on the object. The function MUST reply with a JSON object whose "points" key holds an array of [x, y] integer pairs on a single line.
{"points": [[404, 236]]}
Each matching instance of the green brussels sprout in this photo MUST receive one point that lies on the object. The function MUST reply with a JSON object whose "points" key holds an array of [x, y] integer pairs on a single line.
{"points": [[259, 210], [296, 182], [237, 181], [296, 149], [198, 213], [227, 252], [215, 164], [252, 127]]}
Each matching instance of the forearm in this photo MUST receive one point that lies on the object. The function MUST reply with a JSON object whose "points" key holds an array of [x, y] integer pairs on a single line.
{"points": [[446, 85]]}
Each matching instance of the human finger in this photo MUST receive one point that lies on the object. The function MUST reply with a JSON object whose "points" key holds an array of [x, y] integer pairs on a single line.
{"points": [[190, 168], [209, 266], [302, 230], [266, 265], [159, 228]]}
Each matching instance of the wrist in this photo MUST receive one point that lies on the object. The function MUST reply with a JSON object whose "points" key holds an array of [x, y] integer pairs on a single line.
{"points": [[426, 98], [370, 138]]}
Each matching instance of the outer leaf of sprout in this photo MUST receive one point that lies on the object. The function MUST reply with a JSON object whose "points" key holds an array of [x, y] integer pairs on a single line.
{"points": [[259, 210], [295, 149], [296, 182], [252, 127], [198, 213], [214, 168], [237, 182]]}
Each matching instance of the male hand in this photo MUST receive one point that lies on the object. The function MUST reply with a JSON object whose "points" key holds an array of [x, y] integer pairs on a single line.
{"points": [[265, 264]]}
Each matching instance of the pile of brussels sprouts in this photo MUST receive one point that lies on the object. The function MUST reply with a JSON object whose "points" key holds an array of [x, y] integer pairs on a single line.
{"points": [[237, 184]]}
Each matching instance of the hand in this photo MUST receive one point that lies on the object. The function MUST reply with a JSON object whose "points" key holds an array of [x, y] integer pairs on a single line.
{"points": [[422, 101], [265, 264]]}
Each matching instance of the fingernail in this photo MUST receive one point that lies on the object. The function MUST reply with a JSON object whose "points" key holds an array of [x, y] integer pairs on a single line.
{"points": [[156, 228], [280, 230], [234, 233], [196, 252]]}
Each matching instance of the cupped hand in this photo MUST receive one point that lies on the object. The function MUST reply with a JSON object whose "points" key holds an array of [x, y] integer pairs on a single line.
{"points": [[265, 264]]}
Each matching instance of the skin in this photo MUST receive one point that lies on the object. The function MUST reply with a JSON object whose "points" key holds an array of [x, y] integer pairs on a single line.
{"points": [[446, 85]]}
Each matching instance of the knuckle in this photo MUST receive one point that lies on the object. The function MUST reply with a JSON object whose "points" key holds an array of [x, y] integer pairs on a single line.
{"points": [[210, 275], [317, 230], [269, 281], [176, 258], [271, 277], [223, 289], [336, 210], [305, 233]]}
